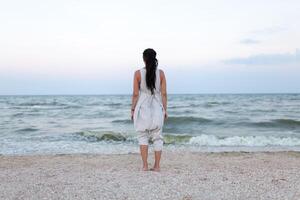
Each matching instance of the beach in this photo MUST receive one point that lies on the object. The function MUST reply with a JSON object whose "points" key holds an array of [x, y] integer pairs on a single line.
{"points": [[184, 175]]}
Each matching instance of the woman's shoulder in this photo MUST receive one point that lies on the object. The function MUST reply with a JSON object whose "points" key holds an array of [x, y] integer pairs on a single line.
{"points": [[137, 73], [161, 72], [139, 70]]}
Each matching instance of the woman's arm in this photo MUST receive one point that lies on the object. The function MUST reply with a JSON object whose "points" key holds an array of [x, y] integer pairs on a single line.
{"points": [[163, 90], [135, 94]]}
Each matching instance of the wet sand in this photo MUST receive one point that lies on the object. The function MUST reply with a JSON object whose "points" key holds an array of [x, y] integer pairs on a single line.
{"points": [[260, 175]]}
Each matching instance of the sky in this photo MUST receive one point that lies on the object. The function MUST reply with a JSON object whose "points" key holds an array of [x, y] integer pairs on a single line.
{"points": [[95, 46]]}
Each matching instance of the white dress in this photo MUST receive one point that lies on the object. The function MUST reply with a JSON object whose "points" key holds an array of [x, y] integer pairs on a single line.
{"points": [[149, 111]]}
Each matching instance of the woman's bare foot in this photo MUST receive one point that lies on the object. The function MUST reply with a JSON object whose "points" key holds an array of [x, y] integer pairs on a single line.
{"points": [[145, 169], [155, 169]]}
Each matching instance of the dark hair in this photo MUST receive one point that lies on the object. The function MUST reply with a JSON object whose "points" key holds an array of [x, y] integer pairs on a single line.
{"points": [[151, 63]]}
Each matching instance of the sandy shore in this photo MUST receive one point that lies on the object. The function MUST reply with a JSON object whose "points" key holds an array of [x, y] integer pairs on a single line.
{"points": [[184, 176]]}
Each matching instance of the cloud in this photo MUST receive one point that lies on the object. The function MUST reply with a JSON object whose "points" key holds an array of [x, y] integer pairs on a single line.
{"points": [[259, 33], [249, 41], [267, 59], [270, 30]]}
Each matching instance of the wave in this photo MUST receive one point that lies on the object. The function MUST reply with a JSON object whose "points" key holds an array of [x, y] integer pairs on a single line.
{"points": [[184, 120], [113, 104], [215, 103], [28, 130], [103, 136], [42, 104], [200, 140], [17, 114], [288, 122], [263, 110], [176, 139], [180, 112], [277, 123], [205, 104], [182, 106], [250, 141], [122, 121], [72, 106], [101, 114], [116, 136]]}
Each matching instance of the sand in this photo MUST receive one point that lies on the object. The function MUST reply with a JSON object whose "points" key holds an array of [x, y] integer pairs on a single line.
{"points": [[260, 175]]}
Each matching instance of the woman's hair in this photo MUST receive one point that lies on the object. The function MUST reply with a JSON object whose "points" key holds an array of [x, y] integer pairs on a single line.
{"points": [[151, 62]]}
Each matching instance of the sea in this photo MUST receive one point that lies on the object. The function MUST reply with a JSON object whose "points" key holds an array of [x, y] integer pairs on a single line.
{"points": [[67, 124]]}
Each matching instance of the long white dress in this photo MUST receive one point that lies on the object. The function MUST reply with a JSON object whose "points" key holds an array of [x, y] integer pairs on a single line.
{"points": [[149, 111]]}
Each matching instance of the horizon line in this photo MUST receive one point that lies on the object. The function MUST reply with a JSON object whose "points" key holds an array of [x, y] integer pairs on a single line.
{"points": [[112, 94]]}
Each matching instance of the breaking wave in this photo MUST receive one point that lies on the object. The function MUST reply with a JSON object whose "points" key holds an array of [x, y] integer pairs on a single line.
{"points": [[103, 136], [200, 140], [250, 141]]}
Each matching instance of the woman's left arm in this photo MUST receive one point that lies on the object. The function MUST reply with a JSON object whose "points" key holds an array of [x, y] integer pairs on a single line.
{"points": [[135, 94]]}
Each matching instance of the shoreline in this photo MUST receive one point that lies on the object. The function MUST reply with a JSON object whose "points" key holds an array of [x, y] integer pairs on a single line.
{"points": [[184, 175], [167, 151]]}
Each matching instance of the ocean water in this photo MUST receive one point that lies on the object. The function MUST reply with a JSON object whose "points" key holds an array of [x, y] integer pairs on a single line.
{"points": [[101, 123]]}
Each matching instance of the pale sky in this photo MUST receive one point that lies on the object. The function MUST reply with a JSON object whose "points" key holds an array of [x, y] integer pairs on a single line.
{"points": [[94, 47]]}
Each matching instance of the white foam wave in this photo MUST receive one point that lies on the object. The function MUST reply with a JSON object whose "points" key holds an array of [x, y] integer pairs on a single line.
{"points": [[250, 141]]}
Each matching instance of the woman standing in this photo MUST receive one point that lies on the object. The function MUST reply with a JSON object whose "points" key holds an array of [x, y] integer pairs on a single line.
{"points": [[149, 107]]}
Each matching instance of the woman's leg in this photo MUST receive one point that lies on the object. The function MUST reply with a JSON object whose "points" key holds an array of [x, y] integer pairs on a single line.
{"points": [[143, 139], [158, 145], [144, 154], [157, 155]]}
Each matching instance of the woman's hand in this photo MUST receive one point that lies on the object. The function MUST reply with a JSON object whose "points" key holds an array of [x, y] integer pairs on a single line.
{"points": [[132, 113], [166, 115]]}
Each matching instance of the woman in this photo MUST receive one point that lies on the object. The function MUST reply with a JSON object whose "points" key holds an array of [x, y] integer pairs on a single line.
{"points": [[149, 107]]}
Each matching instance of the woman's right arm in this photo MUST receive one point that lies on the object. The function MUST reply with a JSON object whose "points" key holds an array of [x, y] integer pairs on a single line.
{"points": [[135, 94], [164, 90]]}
